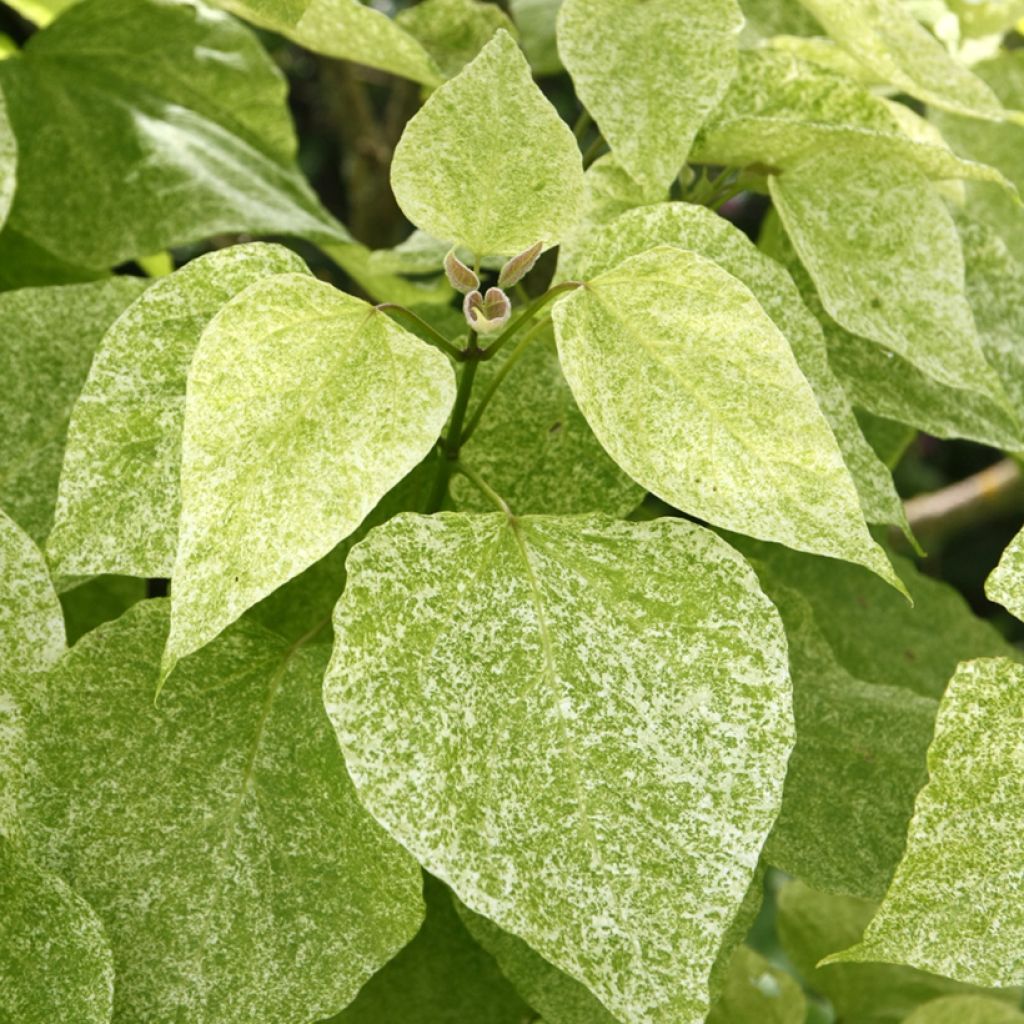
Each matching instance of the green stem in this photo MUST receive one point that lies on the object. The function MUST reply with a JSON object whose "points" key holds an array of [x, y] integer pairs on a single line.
{"points": [[434, 336], [514, 357], [484, 488], [451, 443], [528, 314]]}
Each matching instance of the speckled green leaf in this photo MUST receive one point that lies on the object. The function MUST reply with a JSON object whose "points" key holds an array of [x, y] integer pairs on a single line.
{"points": [[304, 407], [1006, 583], [487, 162], [965, 1010], [811, 925], [143, 125], [885, 257], [886, 38], [441, 977], [700, 230], [55, 964], [536, 21], [953, 908], [779, 108], [649, 72], [118, 501], [534, 447], [215, 833], [346, 29], [453, 32], [889, 386], [46, 344], [487, 679], [767, 18], [858, 763], [694, 391], [757, 992]]}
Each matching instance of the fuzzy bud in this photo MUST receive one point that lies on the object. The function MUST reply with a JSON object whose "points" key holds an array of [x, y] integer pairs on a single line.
{"points": [[487, 313], [519, 266], [460, 277]]}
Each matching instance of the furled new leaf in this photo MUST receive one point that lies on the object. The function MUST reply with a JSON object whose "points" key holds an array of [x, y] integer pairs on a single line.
{"points": [[55, 964], [649, 71], [534, 447], [487, 162], [453, 32], [496, 684], [216, 834], [344, 29], [694, 391], [885, 257], [441, 977], [118, 501], [46, 344], [143, 125], [886, 38], [952, 908], [698, 229], [304, 407]]}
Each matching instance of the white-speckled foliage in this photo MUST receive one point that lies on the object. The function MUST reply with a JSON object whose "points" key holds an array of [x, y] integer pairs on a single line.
{"points": [[581, 725], [616, 585], [304, 407]]}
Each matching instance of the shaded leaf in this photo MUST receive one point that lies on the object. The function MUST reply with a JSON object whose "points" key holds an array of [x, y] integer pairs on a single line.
{"points": [[755, 990], [965, 1010], [535, 20], [488, 680], [94, 601], [453, 32]]}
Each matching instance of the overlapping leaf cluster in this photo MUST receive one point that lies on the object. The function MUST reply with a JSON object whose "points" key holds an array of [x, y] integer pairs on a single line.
{"points": [[582, 624]]}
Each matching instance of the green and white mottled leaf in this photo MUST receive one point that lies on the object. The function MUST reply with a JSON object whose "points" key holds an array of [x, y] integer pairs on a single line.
{"points": [[345, 29], [489, 684], [453, 32], [812, 924], [694, 391], [534, 447], [441, 977], [304, 407], [757, 992], [55, 964], [952, 908], [119, 501], [885, 257], [886, 385], [858, 763], [47, 342], [767, 18], [487, 162], [780, 108], [142, 125], [700, 230], [649, 72], [965, 1010], [535, 20], [216, 833], [1006, 582], [886, 38]]}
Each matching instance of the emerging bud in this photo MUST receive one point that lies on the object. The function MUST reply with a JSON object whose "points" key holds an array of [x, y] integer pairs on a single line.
{"points": [[519, 266], [460, 277], [487, 313]]}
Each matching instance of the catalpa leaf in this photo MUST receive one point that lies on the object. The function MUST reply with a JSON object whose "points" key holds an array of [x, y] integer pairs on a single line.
{"points": [[649, 72], [700, 230], [888, 40], [694, 391], [216, 833], [143, 125], [1006, 582], [453, 32], [304, 407], [533, 445], [952, 908], [48, 339], [55, 964], [487, 685], [884, 254], [441, 977], [118, 501], [345, 29], [487, 162]]}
